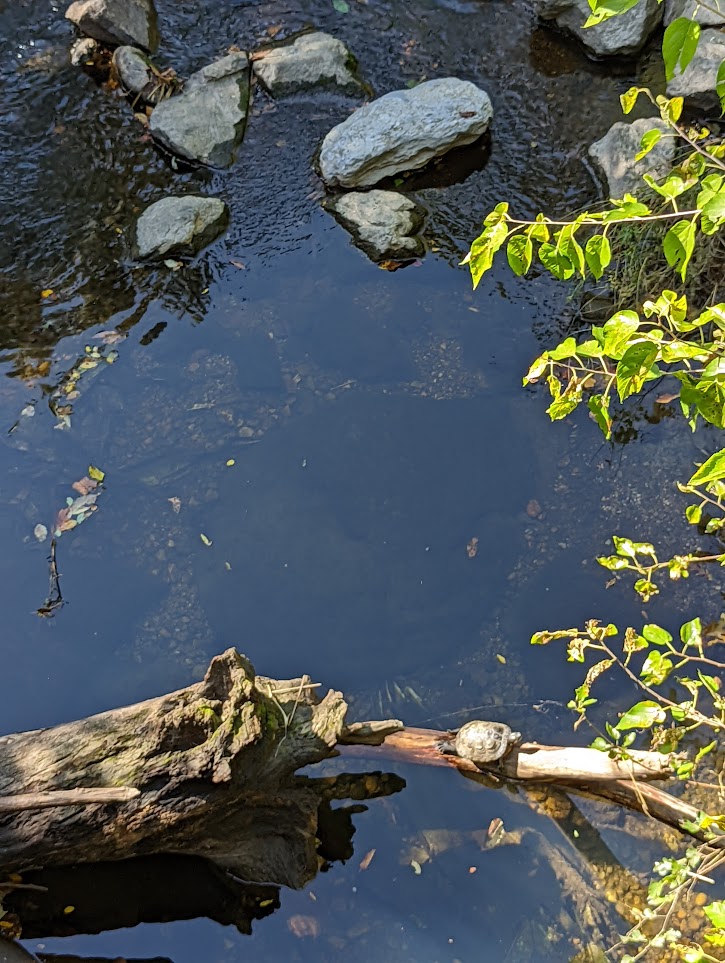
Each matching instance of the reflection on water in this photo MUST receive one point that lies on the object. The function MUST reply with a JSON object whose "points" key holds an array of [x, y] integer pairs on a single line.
{"points": [[338, 435]]}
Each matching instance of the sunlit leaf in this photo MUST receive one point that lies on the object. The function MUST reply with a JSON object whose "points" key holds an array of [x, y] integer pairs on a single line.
{"points": [[598, 254], [643, 715], [649, 139], [711, 470], [679, 45], [634, 368]]}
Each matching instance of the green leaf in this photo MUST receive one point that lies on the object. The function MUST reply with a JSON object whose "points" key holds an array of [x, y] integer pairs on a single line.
{"points": [[96, 474], [679, 244], [519, 252], [645, 589], [671, 187], [483, 249], [693, 514], [649, 139], [618, 332], [567, 349], [538, 231], [670, 109], [340, 6], [720, 84], [629, 99], [599, 407], [691, 633], [711, 470], [715, 207], [715, 912], [598, 254], [601, 744], [613, 562], [624, 546], [679, 45], [644, 715], [656, 668], [633, 369], [537, 369], [602, 10], [555, 262], [655, 634], [565, 404]]}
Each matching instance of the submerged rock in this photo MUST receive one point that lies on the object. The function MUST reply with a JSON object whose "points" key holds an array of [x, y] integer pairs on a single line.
{"points": [[205, 122], [117, 21], [311, 60], [614, 155], [693, 10], [403, 130], [697, 83], [180, 225], [621, 35], [384, 224]]}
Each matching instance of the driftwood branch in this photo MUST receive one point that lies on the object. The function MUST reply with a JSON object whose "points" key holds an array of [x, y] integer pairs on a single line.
{"points": [[69, 797]]}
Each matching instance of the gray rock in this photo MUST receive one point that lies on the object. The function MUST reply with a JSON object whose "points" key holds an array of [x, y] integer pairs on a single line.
{"points": [[117, 21], [205, 122], [693, 11], [180, 225], [137, 77], [311, 60], [697, 83], [614, 155], [622, 35], [384, 224], [403, 130]]}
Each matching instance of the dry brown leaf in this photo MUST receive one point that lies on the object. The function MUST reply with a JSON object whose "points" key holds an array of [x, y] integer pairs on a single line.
{"points": [[472, 547], [273, 30], [84, 485], [366, 860], [175, 503], [238, 264], [666, 398]]}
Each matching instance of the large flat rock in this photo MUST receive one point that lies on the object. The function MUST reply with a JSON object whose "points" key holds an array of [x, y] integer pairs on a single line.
{"points": [[403, 131], [205, 122], [311, 61], [117, 21], [180, 225]]}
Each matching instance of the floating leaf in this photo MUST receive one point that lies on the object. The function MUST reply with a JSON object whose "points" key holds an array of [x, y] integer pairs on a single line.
{"points": [[40, 532], [95, 473], [205, 540]]}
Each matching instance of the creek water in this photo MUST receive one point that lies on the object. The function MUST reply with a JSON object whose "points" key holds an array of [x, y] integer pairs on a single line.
{"points": [[376, 424]]}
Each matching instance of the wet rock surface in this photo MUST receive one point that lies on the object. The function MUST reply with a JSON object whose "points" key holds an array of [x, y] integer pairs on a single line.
{"points": [[117, 21], [614, 155], [180, 225], [694, 11], [205, 122], [697, 83], [621, 35], [384, 224], [403, 131], [310, 61], [135, 74]]}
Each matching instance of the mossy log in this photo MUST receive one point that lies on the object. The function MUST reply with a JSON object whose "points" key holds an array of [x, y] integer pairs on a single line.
{"points": [[214, 765]]}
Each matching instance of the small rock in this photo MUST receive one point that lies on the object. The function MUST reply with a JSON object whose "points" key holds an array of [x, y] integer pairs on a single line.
{"points": [[180, 224], [205, 122], [403, 130], [614, 155], [117, 21], [384, 224], [137, 76], [619, 36], [311, 60], [84, 50], [697, 83], [694, 11]]}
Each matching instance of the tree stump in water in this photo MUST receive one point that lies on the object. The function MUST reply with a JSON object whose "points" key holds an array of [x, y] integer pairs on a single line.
{"points": [[214, 765]]}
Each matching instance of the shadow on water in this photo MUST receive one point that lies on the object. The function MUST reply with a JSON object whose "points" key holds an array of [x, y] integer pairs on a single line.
{"points": [[299, 447]]}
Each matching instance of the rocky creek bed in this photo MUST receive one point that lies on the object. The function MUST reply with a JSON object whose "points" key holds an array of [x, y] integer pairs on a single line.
{"points": [[337, 433]]}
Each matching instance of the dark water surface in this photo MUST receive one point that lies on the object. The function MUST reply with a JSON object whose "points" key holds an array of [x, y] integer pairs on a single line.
{"points": [[376, 425]]}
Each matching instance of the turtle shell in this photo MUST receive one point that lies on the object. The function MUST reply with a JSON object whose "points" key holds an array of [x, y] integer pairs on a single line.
{"points": [[485, 742]]}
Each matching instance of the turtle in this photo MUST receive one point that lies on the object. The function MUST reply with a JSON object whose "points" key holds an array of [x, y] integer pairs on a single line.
{"points": [[481, 742]]}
